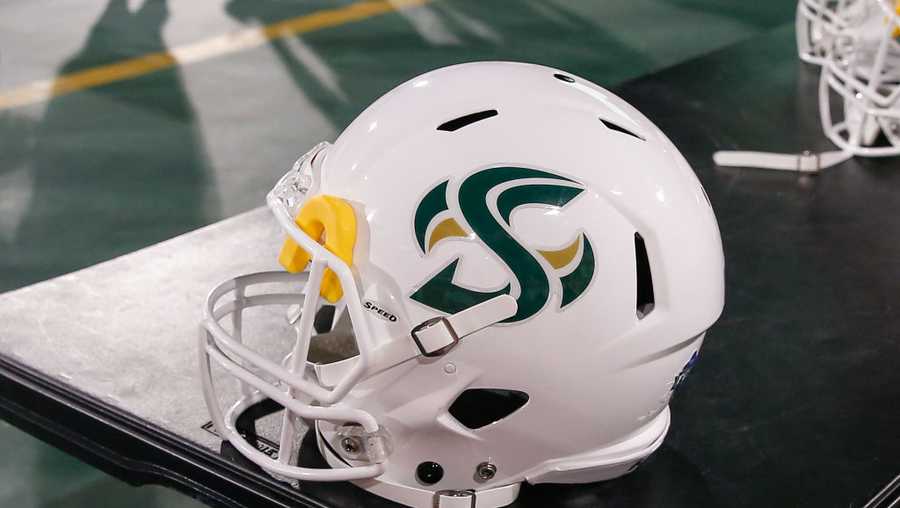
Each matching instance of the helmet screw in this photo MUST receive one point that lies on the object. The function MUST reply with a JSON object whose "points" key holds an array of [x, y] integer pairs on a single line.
{"points": [[351, 445], [485, 471]]}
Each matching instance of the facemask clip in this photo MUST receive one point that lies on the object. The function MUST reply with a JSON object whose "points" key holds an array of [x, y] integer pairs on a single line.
{"points": [[357, 444]]}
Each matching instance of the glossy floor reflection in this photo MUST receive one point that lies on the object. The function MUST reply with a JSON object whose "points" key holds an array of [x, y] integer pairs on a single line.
{"points": [[110, 168]]}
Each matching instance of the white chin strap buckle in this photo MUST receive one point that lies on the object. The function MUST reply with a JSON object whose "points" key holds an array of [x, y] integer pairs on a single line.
{"points": [[455, 499], [809, 162], [437, 336], [357, 444]]}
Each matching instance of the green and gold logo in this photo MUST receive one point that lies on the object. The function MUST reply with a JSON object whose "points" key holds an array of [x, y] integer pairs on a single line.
{"points": [[484, 216]]}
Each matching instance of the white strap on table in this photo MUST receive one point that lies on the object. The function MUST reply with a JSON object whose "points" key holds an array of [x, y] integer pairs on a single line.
{"points": [[806, 162], [436, 336]]}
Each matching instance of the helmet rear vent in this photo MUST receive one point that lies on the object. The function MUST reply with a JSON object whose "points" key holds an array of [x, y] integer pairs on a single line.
{"points": [[645, 301], [459, 123], [618, 128], [479, 407]]}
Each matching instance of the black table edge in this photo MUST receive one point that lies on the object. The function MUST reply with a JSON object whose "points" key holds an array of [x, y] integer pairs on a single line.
{"points": [[129, 448]]}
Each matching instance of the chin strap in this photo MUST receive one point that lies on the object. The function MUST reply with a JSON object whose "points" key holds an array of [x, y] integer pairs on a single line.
{"points": [[806, 162], [439, 335], [433, 338]]}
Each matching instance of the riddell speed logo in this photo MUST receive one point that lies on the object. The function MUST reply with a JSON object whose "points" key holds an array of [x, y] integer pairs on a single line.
{"points": [[379, 311], [484, 216]]}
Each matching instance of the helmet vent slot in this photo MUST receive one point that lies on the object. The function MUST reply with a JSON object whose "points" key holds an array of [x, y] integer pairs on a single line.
{"points": [[618, 128], [478, 407], [645, 300], [459, 123]]}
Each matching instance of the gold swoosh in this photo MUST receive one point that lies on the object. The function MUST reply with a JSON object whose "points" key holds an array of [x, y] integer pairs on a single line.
{"points": [[562, 257], [447, 228]]}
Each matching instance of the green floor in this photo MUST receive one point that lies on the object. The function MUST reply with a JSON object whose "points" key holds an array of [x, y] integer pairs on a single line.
{"points": [[33, 474], [100, 172]]}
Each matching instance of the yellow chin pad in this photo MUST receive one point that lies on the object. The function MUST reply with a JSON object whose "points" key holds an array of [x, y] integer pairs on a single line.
{"points": [[331, 222]]}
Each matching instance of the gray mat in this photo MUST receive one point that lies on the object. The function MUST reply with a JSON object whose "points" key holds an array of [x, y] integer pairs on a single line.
{"points": [[125, 331]]}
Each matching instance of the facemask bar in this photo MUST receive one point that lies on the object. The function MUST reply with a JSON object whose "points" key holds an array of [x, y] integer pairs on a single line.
{"points": [[868, 98], [292, 390], [825, 16], [228, 352], [841, 134], [879, 75], [284, 207]]}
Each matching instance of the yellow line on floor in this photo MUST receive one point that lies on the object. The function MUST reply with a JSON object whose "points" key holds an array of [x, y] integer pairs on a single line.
{"points": [[39, 91]]}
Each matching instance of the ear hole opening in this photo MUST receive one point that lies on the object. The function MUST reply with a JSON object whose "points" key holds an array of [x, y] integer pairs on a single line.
{"points": [[478, 407], [645, 298]]}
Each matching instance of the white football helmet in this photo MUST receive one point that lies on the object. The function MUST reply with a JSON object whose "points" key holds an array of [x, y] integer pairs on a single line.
{"points": [[523, 268], [862, 70], [854, 43]]}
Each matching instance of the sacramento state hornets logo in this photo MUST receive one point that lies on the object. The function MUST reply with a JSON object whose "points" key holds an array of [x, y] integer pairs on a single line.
{"points": [[484, 216]]}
